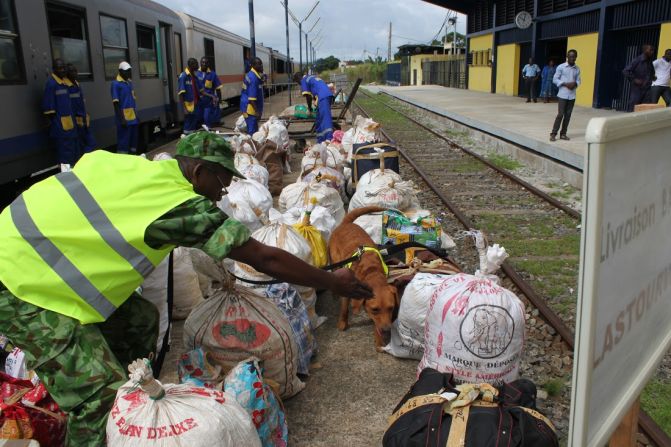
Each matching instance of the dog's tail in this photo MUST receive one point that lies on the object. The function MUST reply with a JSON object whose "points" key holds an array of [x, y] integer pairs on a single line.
{"points": [[353, 215]]}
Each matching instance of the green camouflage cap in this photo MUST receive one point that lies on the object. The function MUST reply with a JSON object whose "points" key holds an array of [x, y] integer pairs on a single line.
{"points": [[211, 147]]}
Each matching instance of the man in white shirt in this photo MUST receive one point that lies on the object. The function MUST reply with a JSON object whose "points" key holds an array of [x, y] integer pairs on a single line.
{"points": [[567, 78], [660, 86], [530, 74]]}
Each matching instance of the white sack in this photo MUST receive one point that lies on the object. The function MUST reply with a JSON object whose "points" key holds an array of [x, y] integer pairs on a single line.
{"points": [[378, 188], [300, 195], [248, 202], [186, 287], [155, 290]]}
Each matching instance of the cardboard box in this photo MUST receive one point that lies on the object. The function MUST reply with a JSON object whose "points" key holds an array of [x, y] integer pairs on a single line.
{"points": [[646, 107]]}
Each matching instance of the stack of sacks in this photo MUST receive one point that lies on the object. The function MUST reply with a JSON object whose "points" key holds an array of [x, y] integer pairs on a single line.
{"points": [[236, 323], [243, 143], [363, 130], [320, 218], [242, 160], [148, 413], [273, 130], [386, 189], [241, 124], [324, 162], [474, 328], [247, 201], [275, 161], [257, 173], [300, 195], [278, 234]]}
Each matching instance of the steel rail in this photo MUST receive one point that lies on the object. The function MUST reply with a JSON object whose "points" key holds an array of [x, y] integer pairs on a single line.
{"points": [[534, 190], [646, 424]]}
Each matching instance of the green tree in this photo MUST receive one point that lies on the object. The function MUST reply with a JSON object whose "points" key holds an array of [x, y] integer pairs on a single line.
{"points": [[328, 63]]}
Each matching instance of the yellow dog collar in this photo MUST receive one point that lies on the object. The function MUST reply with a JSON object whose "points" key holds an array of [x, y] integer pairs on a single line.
{"points": [[361, 250]]}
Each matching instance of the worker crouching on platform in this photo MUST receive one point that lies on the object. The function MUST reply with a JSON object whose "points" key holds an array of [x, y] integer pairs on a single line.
{"points": [[77, 245], [314, 87]]}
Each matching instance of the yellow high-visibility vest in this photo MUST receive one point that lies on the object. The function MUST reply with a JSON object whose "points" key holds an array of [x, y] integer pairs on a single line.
{"points": [[74, 243]]}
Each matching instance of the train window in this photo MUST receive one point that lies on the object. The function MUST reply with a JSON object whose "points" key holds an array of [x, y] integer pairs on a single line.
{"points": [[209, 52], [10, 62], [115, 44], [69, 37], [146, 51]]}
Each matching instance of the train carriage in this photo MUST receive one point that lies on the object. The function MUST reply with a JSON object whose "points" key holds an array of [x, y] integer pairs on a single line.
{"points": [[95, 35]]}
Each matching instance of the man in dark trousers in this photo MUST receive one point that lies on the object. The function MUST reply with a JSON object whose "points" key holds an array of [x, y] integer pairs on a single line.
{"points": [[660, 88], [530, 74], [640, 73], [567, 79], [57, 109]]}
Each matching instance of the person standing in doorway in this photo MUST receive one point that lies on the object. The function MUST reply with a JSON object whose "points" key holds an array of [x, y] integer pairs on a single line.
{"points": [[189, 96], [547, 87], [125, 111], [210, 93], [251, 96], [640, 73], [660, 87], [57, 109], [530, 74], [567, 79]]}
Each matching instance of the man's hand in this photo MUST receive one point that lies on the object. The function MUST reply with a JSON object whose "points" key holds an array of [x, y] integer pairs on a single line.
{"points": [[124, 123], [570, 85], [638, 82], [347, 285]]}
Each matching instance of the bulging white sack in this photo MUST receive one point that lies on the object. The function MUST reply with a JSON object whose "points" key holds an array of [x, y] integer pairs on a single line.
{"points": [[247, 201], [301, 194]]}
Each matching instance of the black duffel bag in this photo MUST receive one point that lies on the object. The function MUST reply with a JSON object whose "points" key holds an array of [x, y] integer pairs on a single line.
{"points": [[369, 156], [482, 415]]}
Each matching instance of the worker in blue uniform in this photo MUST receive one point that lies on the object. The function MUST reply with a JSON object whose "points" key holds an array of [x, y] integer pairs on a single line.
{"points": [[189, 96], [125, 110], [251, 97], [57, 108], [314, 87], [210, 93], [82, 120]]}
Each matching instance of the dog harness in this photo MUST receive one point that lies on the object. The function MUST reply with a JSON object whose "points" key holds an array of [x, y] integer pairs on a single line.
{"points": [[361, 250]]}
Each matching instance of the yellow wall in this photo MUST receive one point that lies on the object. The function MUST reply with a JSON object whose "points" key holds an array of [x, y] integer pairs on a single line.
{"points": [[507, 69], [664, 44], [480, 78], [416, 63], [586, 46]]}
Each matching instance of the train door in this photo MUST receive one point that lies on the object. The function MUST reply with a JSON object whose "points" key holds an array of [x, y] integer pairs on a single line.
{"points": [[167, 68], [620, 48], [525, 54]]}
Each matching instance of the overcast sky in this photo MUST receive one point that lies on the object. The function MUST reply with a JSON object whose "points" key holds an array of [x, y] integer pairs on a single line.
{"points": [[348, 27]]}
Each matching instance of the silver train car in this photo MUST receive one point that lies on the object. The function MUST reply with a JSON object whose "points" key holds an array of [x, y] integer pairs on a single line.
{"points": [[96, 35]]}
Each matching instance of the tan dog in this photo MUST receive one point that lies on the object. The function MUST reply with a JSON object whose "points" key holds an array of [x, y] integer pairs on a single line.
{"points": [[345, 241]]}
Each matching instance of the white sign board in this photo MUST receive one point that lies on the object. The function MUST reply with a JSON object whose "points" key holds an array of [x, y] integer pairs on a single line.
{"points": [[624, 302]]}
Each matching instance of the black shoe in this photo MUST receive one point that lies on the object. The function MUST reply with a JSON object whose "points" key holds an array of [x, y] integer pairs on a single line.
{"points": [[528, 100], [535, 100], [564, 137], [553, 137]]}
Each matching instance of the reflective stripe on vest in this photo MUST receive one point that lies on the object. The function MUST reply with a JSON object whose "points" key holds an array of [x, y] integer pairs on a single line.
{"points": [[57, 260], [99, 220], [74, 242]]}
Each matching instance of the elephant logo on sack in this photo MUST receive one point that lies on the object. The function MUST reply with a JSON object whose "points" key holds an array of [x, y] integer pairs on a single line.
{"points": [[486, 331]]}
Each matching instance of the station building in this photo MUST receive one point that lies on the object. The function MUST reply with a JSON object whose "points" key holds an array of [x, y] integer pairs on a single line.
{"points": [[608, 34]]}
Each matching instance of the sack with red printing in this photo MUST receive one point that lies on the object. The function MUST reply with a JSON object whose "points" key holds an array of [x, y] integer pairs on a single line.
{"points": [[474, 328], [236, 323], [149, 413]]}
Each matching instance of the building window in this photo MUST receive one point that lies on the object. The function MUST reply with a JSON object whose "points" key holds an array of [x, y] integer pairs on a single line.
{"points": [[209, 52], [482, 58], [69, 37], [11, 69], [115, 44], [146, 51]]}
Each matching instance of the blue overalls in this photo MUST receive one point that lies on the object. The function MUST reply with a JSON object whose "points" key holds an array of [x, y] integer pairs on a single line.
{"points": [[314, 86], [123, 93], [56, 105], [209, 83], [86, 141], [188, 86], [252, 90]]}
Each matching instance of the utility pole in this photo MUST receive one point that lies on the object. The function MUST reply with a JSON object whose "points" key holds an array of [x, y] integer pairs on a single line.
{"points": [[389, 44], [251, 29], [300, 45], [454, 39], [307, 64], [287, 66]]}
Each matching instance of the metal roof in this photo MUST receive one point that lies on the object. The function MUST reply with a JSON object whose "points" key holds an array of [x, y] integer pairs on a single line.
{"points": [[455, 5]]}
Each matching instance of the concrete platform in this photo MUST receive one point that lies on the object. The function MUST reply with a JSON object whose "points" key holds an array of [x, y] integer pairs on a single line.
{"points": [[505, 117]]}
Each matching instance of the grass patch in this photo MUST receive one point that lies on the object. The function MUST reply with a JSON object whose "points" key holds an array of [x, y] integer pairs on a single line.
{"points": [[655, 400], [554, 387], [469, 165], [563, 191], [550, 268], [567, 245], [503, 161]]}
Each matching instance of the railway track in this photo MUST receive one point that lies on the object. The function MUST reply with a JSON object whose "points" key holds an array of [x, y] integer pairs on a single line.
{"points": [[536, 227]]}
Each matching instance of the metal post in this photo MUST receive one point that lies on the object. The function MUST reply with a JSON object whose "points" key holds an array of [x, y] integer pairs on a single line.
{"points": [[251, 29], [389, 44], [287, 66], [454, 40], [307, 64], [300, 45]]}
